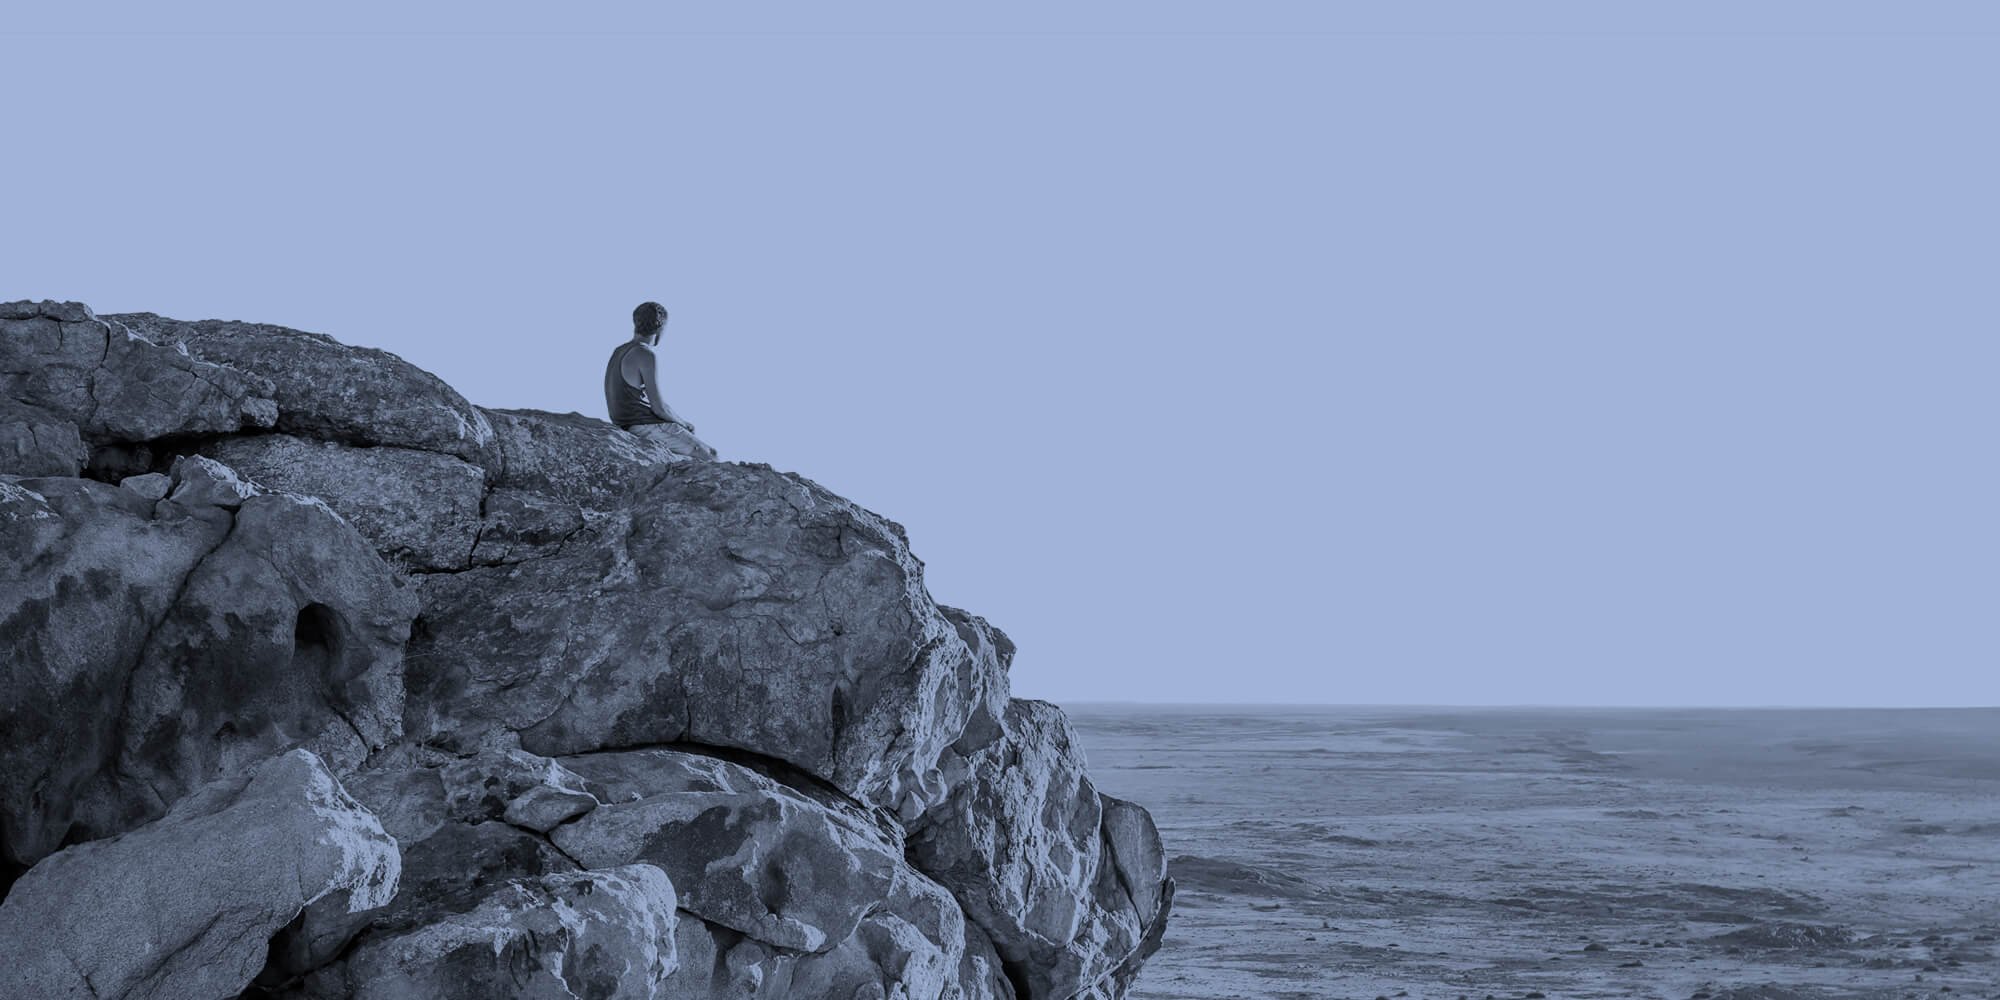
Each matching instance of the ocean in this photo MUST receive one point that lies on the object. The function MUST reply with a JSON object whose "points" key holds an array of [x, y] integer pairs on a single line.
{"points": [[1733, 854]]}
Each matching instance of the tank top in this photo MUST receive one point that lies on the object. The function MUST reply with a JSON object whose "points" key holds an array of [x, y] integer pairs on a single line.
{"points": [[627, 403]]}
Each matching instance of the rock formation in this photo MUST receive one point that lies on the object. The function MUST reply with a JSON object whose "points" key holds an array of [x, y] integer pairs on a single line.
{"points": [[324, 682]]}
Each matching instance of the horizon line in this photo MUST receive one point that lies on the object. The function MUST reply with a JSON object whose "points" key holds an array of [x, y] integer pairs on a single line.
{"points": [[1518, 705]]}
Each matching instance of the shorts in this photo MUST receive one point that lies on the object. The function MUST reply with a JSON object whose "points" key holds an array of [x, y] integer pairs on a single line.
{"points": [[676, 439]]}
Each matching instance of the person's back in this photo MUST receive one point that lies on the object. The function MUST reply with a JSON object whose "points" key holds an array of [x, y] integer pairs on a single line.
{"points": [[632, 389], [629, 402]]}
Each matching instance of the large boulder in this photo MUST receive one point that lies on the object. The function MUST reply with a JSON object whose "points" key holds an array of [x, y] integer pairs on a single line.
{"points": [[797, 893], [1136, 856], [900, 950], [533, 793], [1118, 984], [1020, 842], [727, 604], [157, 644], [518, 525], [420, 508], [448, 870], [38, 442], [743, 850], [489, 907], [606, 934], [651, 711], [184, 906], [573, 458], [917, 944], [115, 384], [328, 390]]}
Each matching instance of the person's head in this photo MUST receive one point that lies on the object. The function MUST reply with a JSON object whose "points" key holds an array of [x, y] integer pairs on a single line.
{"points": [[647, 322]]}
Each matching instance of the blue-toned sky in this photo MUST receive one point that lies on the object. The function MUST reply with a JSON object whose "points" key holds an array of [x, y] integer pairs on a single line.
{"points": [[1417, 352]]}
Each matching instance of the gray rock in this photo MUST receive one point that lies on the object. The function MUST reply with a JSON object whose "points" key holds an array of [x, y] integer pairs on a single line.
{"points": [[603, 934], [1118, 984], [518, 525], [447, 871], [420, 508], [797, 894], [912, 945], [157, 646], [888, 955], [327, 390], [534, 793], [678, 439], [1019, 842], [1140, 861], [68, 312], [983, 674], [743, 850], [410, 801], [152, 485], [717, 963], [199, 481], [980, 972], [114, 385], [37, 442], [729, 605], [183, 906], [573, 458], [583, 595]]}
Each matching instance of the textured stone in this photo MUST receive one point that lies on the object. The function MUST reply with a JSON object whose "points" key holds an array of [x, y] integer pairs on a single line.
{"points": [[155, 646], [796, 894], [911, 945], [607, 934], [889, 955], [1118, 983], [980, 971], [531, 792], [441, 810], [1019, 842], [327, 390], [678, 439], [418, 507], [183, 906], [70, 312], [744, 851], [115, 385], [410, 801], [446, 871], [743, 676], [518, 525], [152, 485], [1136, 851], [199, 481], [573, 458], [729, 605], [38, 442]]}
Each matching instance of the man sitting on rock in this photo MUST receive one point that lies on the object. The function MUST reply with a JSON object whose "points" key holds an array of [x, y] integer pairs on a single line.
{"points": [[632, 389]]}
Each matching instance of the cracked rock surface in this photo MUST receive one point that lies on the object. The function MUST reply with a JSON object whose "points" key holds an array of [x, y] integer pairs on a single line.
{"points": [[155, 645], [372, 692], [170, 910]]}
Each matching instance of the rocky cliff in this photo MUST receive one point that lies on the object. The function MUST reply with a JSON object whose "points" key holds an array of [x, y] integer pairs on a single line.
{"points": [[323, 682]]}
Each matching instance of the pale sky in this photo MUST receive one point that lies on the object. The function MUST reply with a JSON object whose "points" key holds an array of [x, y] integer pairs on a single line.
{"points": [[1467, 353]]}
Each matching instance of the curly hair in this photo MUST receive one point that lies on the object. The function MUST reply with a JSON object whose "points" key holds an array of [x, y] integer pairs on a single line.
{"points": [[650, 318]]}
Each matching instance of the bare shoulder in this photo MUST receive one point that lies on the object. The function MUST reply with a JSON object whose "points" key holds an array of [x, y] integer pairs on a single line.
{"points": [[636, 364]]}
